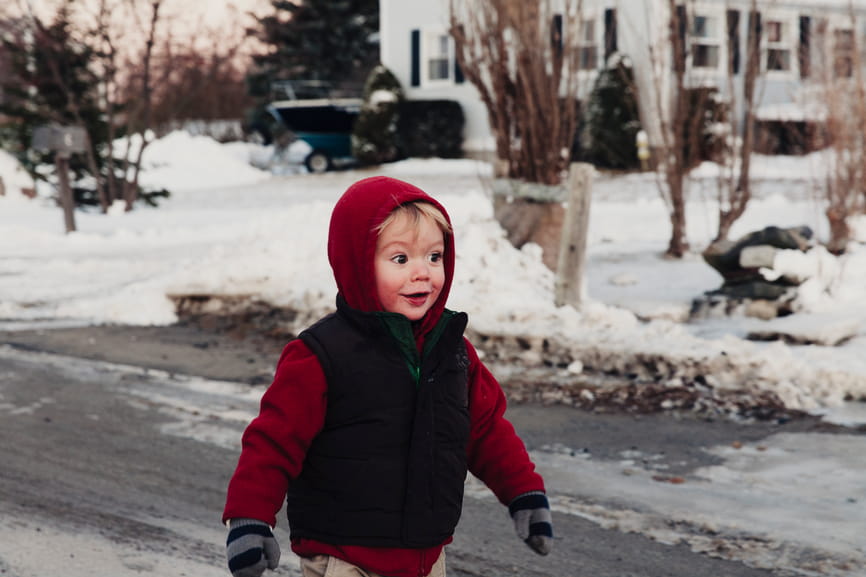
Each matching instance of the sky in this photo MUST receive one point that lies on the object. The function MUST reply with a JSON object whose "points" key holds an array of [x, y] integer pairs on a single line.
{"points": [[235, 227], [200, 21]]}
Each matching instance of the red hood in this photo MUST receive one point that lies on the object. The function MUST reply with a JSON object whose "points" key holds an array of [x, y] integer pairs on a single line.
{"points": [[352, 242]]}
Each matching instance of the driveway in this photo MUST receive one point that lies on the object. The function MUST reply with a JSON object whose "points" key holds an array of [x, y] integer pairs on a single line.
{"points": [[118, 443]]}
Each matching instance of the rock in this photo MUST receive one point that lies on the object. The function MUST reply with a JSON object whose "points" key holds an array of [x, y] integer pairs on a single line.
{"points": [[759, 300], [762, 309], [725, 256], [761, 255], [807, 329], [745, 289]]}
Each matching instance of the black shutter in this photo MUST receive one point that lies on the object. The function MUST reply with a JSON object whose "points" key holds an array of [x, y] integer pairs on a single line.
{"points": [[556, 34], [804, 53], [610, 40], [681, 31], [734, 40], [458, 74], [416, 58]]}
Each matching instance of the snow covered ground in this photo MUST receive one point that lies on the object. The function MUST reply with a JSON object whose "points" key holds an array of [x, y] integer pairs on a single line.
{"points": [[231, 228]]}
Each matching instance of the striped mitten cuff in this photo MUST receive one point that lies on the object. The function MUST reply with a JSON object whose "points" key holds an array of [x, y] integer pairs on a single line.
{"points": [[251, 548], [532, 521]]}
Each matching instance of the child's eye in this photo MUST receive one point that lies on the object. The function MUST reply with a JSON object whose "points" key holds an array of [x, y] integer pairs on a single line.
{"points": [[435, 257], [400, 259]]}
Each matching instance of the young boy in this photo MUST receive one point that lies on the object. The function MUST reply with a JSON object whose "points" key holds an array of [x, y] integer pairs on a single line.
{"points": [[377, 411]]}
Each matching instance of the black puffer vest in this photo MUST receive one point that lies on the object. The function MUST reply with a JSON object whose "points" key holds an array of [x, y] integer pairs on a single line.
{"points": [[387, 469]]}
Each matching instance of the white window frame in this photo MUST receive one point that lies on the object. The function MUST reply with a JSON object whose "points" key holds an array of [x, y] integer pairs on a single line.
{"points": [[592, 44], [718, 41], [431, 44], [788, 42]]}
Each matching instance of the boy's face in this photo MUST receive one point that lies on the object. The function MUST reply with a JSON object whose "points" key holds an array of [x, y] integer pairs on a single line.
{"points": [[408, 266]]}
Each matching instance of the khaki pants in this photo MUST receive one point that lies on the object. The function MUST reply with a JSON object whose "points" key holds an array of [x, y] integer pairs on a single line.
{"points": [[327, 566]]}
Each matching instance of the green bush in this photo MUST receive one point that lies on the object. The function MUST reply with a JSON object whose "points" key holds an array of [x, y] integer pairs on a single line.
{"points": [[374, 135], [611, 122], [431, 128]]}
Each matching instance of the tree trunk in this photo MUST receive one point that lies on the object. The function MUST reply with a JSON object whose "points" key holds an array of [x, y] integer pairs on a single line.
{"points": [[678, 245], [147, 103], [109, 85], [675, 165], [739, 192], [840, 232]]}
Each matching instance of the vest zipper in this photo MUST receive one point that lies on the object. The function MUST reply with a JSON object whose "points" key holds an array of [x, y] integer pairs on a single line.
{"points": [[400, 328]]}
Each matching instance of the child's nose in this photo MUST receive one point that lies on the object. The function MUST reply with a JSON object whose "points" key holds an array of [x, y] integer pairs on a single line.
{"points": [[421, 270]]}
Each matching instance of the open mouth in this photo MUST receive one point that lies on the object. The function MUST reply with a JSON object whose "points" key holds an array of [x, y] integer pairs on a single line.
{"points": [[417, 299]]}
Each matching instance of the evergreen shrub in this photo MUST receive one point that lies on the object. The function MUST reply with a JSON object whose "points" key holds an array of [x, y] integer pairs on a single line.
{"points": [[431, 128], [611, 122], [374, 134]]}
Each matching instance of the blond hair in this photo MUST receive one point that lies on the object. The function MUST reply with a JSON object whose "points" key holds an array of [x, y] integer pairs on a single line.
{"points": [[415, 210]]}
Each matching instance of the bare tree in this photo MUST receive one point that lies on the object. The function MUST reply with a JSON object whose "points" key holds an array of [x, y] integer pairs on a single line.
{"points": [[140, 115], [106, 41], [675, 108], [670, 107], [843, 92], [523, 59], [734, 190], [125, 70], [204, 78]]}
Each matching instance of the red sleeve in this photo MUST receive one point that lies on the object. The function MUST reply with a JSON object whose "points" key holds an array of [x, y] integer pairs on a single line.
{"points": [[496, 454], [275, 443]]}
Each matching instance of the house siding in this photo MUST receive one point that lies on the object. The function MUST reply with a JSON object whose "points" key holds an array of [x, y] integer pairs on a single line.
{"points": [[636, 25], [428, 16]]}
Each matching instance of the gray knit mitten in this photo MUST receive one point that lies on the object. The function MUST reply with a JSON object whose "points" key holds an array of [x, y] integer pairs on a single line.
{"points": [[251, 548], [531, 515]]}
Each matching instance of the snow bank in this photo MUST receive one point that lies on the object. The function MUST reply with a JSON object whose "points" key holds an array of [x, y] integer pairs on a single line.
{"points": [[237, 231]]}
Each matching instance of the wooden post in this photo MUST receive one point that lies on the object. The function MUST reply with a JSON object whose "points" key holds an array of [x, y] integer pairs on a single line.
{"points": [[61, 164], [572, 244]]}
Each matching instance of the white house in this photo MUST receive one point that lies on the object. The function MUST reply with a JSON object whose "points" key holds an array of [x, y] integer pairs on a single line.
{"points": [[802, 43]]}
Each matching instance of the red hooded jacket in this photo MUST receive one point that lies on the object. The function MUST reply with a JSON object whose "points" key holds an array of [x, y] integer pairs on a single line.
{"points": [[293, 408]]}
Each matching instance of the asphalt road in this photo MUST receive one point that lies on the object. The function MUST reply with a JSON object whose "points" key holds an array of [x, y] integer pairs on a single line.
{"points": [[122, 471]]}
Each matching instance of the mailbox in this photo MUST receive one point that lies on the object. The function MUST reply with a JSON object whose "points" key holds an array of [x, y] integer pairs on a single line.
{"points": [[64, 140]]}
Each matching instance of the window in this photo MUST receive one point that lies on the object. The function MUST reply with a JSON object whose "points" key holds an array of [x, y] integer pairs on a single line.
{"points": [[432, 58], [778, 38], [438, 57], [843, 53], [704, 41], [587, 46]]}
